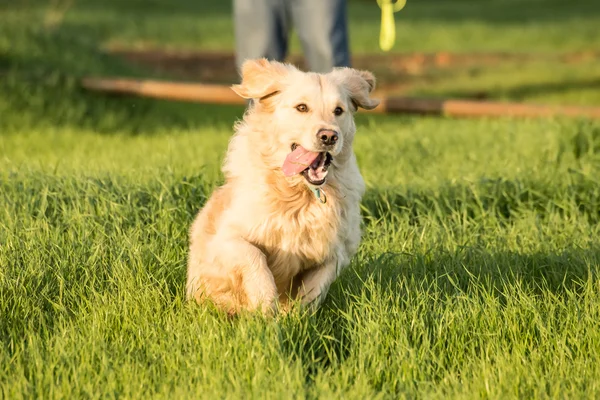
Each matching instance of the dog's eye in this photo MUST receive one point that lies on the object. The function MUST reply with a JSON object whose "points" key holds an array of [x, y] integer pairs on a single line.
{"points": [[338, 111], [302, 108]]}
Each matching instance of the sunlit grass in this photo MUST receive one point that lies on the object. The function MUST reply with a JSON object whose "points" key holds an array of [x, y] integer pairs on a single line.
{"points": [[477, 275]]}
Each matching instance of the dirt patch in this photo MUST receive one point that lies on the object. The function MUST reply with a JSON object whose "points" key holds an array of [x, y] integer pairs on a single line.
{"points": [[395, 72]]}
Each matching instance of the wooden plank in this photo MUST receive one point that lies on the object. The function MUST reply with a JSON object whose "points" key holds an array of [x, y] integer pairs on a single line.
{"points": [[194, 92], [221, 94]]}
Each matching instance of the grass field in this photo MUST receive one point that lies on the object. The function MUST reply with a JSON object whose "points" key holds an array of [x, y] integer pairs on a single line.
{"points": [[478, 275]]}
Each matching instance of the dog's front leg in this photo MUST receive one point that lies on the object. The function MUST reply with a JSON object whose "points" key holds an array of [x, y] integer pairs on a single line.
{"points": [[249, 283], [250, 264], [315, 283]]}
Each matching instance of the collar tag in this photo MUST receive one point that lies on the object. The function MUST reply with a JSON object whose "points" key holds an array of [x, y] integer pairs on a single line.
{"points": [[319, 194]]}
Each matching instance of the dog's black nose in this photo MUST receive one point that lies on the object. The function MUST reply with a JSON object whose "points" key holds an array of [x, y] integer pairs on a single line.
{"points": [[327, 137]]}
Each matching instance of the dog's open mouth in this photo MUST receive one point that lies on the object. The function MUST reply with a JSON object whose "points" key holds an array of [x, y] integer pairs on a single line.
{"points": [[312, 165], [316, 172]]}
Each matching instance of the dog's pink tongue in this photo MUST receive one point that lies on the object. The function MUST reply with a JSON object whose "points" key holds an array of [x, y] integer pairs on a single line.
{"points": [[298, 160]]}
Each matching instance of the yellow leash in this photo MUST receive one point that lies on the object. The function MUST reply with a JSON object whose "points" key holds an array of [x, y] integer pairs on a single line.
{"points": [[387, 35]]}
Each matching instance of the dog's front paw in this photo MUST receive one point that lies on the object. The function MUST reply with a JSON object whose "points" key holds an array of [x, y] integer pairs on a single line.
{"points": [[264, 301]]}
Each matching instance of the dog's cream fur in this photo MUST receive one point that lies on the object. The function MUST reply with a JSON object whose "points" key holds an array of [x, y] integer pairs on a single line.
{"points": [[263, 239]]}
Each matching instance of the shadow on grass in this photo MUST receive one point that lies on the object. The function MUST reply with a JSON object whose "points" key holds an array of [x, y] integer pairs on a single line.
{"points": [[40, 87]]}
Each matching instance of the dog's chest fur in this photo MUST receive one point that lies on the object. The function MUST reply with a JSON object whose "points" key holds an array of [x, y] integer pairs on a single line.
{"points": [[301, 233]]}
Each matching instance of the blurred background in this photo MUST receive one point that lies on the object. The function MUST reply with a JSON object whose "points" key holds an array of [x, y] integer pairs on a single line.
{"points": [[541, 51]]}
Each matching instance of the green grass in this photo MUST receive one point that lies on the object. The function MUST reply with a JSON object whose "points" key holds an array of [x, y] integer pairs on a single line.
{"points": [[478, 275], [423, 25]]}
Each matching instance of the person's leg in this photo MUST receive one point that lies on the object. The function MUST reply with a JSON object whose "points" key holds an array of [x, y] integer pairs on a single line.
{"points": [[323, 31], [261, 29]]}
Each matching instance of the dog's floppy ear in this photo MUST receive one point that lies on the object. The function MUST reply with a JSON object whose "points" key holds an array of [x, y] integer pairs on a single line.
{"points": [[260, 78], [359, 85]]}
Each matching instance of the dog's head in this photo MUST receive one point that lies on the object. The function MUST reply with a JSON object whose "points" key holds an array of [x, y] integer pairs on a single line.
{"points": [[305, 120]]}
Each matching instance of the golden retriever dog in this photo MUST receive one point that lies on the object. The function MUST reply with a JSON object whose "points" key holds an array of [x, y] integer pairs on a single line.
{"points": [[287, 219]]}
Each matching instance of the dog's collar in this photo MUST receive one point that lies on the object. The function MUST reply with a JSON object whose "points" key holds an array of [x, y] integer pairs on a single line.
{"points": [[319, 194]]}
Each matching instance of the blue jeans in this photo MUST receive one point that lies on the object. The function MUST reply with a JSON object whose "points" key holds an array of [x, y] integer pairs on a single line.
{"points": [[262, 28]]}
